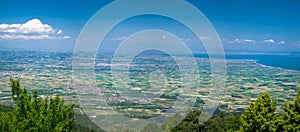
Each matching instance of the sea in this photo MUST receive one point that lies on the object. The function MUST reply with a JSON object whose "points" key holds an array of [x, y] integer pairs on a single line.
{"points": [[284, 61]]}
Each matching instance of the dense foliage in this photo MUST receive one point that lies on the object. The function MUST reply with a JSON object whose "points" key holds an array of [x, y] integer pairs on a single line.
{"points": [[33, 113], [261, 115], [290, 120], [220, 123]]}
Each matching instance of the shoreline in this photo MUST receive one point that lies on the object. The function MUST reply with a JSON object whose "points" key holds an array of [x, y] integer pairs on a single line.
{"points": [[268, 66]]}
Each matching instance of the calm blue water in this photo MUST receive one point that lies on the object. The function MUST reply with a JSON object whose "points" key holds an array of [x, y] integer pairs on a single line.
{"points": [[291, 62]]}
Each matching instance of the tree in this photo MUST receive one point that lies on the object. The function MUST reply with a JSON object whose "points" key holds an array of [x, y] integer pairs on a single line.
{"points": [[260, 115], [33, 113], [291, 116], [223, 122], [220, 123], [4, 121], [190, 123]]}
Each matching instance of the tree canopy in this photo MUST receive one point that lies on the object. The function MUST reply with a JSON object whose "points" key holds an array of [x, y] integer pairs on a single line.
{"points": [[290, 120], [34, 113], [261, 115]]}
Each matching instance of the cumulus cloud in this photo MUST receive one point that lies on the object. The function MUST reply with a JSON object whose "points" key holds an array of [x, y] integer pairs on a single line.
{"points": [[239, 41], [270, 41], [31, 30], [156, 37], [119, 38], [204, 38], [248, 41], [194, 39], [185, 39], [59, 32], [31, 26], [31, 37], [281, 42]]}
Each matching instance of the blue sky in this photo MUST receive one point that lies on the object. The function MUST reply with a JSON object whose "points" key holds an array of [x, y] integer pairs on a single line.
{"points": [[243, 25]]}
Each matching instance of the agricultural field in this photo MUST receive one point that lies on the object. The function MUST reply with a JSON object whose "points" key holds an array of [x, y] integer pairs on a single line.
{"points": [[155, 83]]}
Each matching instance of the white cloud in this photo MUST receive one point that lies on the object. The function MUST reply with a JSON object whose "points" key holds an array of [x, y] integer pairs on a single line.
{"points": [[185, 39], [31, 37], [160, 37], [205, 38], [234, 41], [59, 32], [119, 38], [31, 26], [248, 41], [32, 29], [281, 42], [194, 39], [270, 41], [9, 27], [239, 41]]}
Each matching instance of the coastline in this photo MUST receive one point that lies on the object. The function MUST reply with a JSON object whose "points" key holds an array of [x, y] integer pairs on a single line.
{"points": [[267, 66], [283, 62], [280, 68]]}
